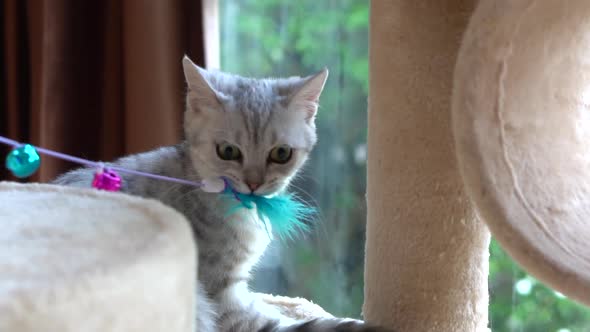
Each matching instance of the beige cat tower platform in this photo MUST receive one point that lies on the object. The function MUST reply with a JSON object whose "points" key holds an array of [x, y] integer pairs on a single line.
{"points": [[82, 260]]}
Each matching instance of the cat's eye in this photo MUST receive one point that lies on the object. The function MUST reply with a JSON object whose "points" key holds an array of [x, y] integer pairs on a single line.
{"points": [[280, 154], [228, 151]]}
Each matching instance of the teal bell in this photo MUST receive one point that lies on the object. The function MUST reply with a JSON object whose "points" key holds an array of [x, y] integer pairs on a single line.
{"points": [[23, 161]]}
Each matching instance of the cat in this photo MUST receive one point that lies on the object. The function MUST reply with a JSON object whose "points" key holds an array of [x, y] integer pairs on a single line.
{"points": [[257, 133]]}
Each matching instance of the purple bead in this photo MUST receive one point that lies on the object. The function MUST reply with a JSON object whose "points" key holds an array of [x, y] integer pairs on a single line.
{"points": [[107, 180]]}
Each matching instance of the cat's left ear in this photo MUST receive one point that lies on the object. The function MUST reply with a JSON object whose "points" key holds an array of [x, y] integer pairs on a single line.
{"points": [[201, 96], [306, 98]]}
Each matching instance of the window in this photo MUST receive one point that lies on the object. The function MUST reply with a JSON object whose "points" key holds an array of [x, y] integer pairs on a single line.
{"points": [[282, 38], [520, 303]]}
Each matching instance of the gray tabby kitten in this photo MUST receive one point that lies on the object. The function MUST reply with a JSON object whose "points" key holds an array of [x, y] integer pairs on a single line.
{"points": [[257, 133]]}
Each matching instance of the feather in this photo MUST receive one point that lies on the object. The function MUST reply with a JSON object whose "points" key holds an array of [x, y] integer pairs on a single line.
{"points": [[285, 212]]}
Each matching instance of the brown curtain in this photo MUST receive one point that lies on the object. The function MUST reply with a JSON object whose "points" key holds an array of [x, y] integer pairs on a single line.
{"points": [[96, 79]]}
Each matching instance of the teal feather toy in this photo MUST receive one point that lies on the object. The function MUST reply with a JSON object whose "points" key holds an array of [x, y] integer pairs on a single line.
{"points": [[285, 213]]}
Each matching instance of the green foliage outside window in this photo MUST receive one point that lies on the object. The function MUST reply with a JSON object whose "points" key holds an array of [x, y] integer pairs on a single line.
{"points": [[283, 38]]}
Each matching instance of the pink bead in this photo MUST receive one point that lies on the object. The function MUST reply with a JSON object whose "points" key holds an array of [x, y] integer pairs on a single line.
{"points": [[106, 180]]}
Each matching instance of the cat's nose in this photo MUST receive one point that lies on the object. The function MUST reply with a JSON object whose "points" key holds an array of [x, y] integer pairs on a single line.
{"points": [[253, 186]]}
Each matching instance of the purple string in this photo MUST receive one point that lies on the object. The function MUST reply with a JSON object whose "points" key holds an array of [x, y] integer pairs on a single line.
{"points": [[96, 164]]}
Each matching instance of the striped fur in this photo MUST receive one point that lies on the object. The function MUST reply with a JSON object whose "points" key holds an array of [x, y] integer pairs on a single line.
{"points": [[255, 115]]}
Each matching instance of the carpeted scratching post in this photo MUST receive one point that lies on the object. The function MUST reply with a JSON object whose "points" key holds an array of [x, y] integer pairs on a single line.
{"points": [[522, 127], [427, 254]]}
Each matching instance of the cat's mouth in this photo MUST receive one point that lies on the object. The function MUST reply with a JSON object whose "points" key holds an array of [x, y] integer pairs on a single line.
{"points": [[267, 189]]}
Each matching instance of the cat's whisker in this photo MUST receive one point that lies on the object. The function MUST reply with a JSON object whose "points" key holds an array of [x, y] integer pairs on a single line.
{"points": [[173, 188], [188, 193], [306, 193], [320, 216], [305, 176]]}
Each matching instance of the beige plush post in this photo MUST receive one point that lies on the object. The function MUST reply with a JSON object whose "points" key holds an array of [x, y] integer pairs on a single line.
{"points": [[427, 254], [522, 125], [82, 260]]}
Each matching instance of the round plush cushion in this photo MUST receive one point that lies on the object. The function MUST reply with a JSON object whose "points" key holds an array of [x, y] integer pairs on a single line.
{"points": [[85, 260], [522, 130]]}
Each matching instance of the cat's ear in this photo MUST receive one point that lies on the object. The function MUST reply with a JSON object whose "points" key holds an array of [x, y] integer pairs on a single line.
{"points": [[307, 95], [201, 96]]}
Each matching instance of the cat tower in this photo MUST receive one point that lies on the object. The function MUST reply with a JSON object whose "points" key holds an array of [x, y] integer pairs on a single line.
{"points": [[500, 86], [476, 109]]}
